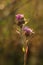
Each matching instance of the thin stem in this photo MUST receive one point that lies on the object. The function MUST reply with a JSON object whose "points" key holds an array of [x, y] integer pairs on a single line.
{"points": [[25, 54], [25, 57]]}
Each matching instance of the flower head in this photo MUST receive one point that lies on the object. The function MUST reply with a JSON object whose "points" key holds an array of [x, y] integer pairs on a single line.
{"points": [[19, 16], [28, 31], [20, 19]]}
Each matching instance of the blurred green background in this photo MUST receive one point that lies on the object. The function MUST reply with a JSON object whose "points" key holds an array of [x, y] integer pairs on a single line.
{"points": [[10, 49]]}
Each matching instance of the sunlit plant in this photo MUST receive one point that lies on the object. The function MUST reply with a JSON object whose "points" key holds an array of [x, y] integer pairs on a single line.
{"points": [[25, 32]]}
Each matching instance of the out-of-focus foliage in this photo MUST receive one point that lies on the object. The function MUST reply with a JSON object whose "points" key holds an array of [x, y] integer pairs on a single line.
{"points": [[10, 49]]}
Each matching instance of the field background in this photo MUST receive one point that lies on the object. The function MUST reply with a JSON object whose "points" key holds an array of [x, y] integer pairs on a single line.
{"points": [[10, 50]]}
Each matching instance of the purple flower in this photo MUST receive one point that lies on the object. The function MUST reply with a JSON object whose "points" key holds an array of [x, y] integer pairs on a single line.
{"points": [[28, 31], [20, 19], [19, 16]]}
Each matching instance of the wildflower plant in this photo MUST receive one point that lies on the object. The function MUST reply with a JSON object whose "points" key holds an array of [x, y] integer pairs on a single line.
{"points": [[25, 32]]}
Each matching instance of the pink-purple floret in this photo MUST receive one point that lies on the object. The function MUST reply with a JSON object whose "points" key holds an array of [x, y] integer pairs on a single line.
{"points": [[19, 16], [27, 29]]}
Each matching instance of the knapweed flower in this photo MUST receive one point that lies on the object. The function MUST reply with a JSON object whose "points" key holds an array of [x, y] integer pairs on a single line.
{"points": [[20, 19], [19, 16], [28, 31]]}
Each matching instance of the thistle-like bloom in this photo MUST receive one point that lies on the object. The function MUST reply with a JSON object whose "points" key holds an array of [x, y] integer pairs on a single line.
{"points": [[28, 31], [19, 16], [20, 19]]}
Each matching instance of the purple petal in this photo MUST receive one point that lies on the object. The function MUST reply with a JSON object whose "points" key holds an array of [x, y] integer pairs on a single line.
{"points": [[27, 29], [19, 16]]}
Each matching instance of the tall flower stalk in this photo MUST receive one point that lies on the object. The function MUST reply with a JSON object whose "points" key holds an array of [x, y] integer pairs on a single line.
{"points": [[25, 32]]}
